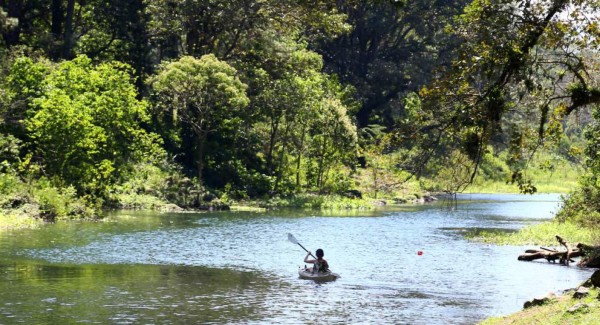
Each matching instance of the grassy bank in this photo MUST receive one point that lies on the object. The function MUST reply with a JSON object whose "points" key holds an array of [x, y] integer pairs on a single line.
{"points": [[539, 234], [307, 201], [563, 181], [548, 186], [558, 311], [13, 221]]}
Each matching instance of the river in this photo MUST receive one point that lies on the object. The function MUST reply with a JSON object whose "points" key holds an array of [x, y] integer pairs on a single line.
{"points": [[239, 267]]}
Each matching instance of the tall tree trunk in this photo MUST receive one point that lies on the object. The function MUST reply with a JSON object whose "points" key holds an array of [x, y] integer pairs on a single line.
{"points": [[321, 163], [68, 37], [138, 34], [281, 158], [56, 9], [200, 154], [272, 139], [299, 160], [375, 185], [56, 29]]}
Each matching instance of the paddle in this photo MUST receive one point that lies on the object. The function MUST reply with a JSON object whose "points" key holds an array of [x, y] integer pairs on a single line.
{"points": [[292, 239]]}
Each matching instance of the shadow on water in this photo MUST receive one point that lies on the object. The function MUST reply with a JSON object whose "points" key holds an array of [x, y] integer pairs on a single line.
{"points": [[475, 232], [127, 294]]}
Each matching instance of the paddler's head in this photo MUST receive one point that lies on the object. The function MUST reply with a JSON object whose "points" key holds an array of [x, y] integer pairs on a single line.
{"points": [[320, 253]]}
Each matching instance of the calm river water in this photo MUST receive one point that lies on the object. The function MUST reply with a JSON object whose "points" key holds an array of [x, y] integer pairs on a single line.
{"points": [[239, 268]]}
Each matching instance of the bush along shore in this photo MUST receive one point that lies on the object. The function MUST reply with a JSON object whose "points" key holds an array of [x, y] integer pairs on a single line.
{"points": [[31, 205], [28, 202]]}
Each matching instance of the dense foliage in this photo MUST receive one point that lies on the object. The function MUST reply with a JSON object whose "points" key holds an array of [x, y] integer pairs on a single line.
{"points": [[513, 82], [104, 101]]}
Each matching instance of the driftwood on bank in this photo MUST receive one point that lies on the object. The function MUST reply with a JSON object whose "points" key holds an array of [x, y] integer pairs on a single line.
{"points": [[590, 254]]}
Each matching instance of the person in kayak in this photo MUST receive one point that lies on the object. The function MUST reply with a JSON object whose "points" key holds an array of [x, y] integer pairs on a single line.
{"points": [[320, 265]]}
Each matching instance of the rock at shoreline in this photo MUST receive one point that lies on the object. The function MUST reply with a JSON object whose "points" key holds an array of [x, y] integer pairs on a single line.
{"points": [[172, 208], [578, 307], [426, 198], [538, 301], [595, 278], [581, 292]]}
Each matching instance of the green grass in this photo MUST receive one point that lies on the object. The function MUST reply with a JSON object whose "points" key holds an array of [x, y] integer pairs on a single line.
{"points": [[540, 234], [15, 221], [547, 173], [563, 181], [555, 312], [546, 186]]}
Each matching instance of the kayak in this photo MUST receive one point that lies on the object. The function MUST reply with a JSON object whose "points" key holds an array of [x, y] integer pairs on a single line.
{"points": [[307, 274]]}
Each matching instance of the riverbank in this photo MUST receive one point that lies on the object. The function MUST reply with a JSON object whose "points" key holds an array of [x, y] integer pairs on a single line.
{"points": [[30, 204], [11, 219], [31, 218], [559, 310]]}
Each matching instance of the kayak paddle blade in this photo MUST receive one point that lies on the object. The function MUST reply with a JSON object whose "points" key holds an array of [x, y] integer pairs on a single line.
{"points": [[292, 239]]}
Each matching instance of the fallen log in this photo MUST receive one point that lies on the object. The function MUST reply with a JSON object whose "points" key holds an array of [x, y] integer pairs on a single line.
{"points": [[551, 255]]}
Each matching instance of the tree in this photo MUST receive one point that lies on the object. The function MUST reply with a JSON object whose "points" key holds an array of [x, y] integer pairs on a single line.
{"points": [[233, 29], [516, 56], [200, 94], [303, 119], [117, 30], [335, 140], [23, 83], [104, 30], [391, 50], [84, 128]]}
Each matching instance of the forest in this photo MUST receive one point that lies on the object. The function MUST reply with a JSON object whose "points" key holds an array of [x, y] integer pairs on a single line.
{"points": [[145, 103]]}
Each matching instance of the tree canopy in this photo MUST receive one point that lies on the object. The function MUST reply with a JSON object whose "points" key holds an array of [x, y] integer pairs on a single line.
{"points": [[84, 127], [260, 98], [202, 94]]}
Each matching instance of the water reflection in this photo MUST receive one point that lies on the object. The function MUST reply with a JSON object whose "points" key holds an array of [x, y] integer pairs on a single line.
{"points": [[58, 294]]}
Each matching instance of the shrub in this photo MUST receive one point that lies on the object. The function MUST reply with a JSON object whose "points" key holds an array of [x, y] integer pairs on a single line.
{"points": [[582, 206], [59, 203]]}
